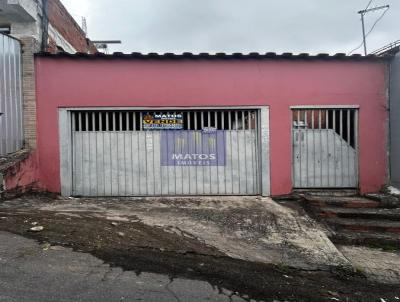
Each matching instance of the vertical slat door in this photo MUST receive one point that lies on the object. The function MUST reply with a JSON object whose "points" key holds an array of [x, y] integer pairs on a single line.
{"points": [[11, 109], [114, 156], [325, 148]]}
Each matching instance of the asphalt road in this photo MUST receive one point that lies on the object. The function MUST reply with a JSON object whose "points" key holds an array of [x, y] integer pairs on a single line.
{"points": [[33, 272]]}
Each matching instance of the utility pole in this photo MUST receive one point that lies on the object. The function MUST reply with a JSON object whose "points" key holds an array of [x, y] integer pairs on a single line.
{"points": [[363, 32], [363, 13]]}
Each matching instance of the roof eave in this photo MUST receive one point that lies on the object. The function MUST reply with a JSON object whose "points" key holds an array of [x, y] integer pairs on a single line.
{"points": [[217, 56]]}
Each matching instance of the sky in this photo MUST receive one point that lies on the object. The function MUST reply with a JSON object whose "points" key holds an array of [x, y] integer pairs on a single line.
{"points": [[312, 26]]}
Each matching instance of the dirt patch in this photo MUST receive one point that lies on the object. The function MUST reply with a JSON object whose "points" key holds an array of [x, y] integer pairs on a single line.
{"points": [[85, 233], [135, 246]]}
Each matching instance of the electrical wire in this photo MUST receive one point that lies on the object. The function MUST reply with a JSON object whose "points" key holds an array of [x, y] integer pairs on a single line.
{"points": [[376, 22], [370, 31], [370, 2]]}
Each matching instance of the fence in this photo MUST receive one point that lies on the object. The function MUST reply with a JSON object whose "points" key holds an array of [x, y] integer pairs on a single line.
{"points": [[11, 118]]}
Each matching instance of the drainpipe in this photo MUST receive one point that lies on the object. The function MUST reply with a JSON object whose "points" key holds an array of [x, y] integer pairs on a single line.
{"points": [[45, 25]]}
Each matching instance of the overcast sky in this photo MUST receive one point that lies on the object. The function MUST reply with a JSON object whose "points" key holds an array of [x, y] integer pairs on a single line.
{"points": [[236, 25]]}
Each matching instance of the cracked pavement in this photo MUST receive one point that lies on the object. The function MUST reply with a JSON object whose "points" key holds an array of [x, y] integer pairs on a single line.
{"points": [[31, 272], [246, 228]]}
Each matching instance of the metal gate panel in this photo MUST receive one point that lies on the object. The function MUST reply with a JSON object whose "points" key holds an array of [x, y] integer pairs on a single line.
{"points": [[325, 148], [11, 122], [113, 156]]}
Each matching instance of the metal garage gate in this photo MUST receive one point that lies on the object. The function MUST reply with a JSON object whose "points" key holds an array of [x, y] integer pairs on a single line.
{"points": [[153, 153], [325, 147]]}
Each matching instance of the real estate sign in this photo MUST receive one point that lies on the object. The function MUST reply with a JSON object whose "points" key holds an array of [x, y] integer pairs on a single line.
{"points": [[163, 121], [193, 148]]}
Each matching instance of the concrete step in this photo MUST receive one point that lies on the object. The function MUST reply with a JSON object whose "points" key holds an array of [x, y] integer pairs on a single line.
{"points": [[387, 241], [327, 192], [358, 224], [336, 201], [386, 200], [365, 213]]}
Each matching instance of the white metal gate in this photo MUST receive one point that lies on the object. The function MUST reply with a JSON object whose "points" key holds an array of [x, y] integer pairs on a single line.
{"points": [[214, 152], [325, 147]]}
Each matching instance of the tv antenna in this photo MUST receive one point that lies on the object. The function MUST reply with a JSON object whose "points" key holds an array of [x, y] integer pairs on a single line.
{"points": [[84, 26], [363, 13]]}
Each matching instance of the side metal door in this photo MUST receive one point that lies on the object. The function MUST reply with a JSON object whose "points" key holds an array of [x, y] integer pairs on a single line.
{"points": [[325, 147]]}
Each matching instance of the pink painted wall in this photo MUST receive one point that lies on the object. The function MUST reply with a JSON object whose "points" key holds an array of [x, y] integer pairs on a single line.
{"points": [[23, 175], [277, 83]]}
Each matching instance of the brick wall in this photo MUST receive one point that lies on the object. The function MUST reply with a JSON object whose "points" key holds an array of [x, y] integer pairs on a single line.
{"points": [[66, 26], [29, 46], [52, 46], [64, 23]]}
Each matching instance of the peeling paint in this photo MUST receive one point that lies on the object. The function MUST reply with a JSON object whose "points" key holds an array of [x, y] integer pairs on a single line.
{"points": [[19, 174]]}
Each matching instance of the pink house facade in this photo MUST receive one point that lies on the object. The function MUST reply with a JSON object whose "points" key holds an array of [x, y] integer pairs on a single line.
{"points": [[296, 114]]}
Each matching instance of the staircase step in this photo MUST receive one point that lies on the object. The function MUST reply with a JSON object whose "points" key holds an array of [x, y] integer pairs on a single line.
{"points": [[365, 213], [388, 241], [359, 224], [347, 202], [386, 200], [327, 192]]}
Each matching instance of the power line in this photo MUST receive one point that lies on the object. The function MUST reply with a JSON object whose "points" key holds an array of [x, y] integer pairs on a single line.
{"points": [[370, 2], [372, 28], [376, 22]]}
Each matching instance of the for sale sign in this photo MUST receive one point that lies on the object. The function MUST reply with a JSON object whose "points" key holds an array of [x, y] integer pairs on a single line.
{"points": [[163, 121]]}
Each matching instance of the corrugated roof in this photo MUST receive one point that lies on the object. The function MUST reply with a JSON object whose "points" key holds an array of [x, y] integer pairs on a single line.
{"points": [[217, 56], [390, 49]]}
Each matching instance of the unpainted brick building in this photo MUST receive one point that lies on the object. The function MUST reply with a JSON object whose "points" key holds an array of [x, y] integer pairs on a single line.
{"points": [[40, 25]]}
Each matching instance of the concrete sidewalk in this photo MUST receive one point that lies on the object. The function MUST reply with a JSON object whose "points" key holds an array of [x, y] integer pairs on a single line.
{"points": [[246, 228]]}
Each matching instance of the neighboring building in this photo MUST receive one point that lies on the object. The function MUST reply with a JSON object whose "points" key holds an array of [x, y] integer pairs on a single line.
{"points": [[210, 124], [393, 49], [395, 121], [11, 117], [40, 25]]}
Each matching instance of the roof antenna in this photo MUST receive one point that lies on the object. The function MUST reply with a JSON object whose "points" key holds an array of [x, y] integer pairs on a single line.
{"points": [[84, 26], [363, 13]]}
